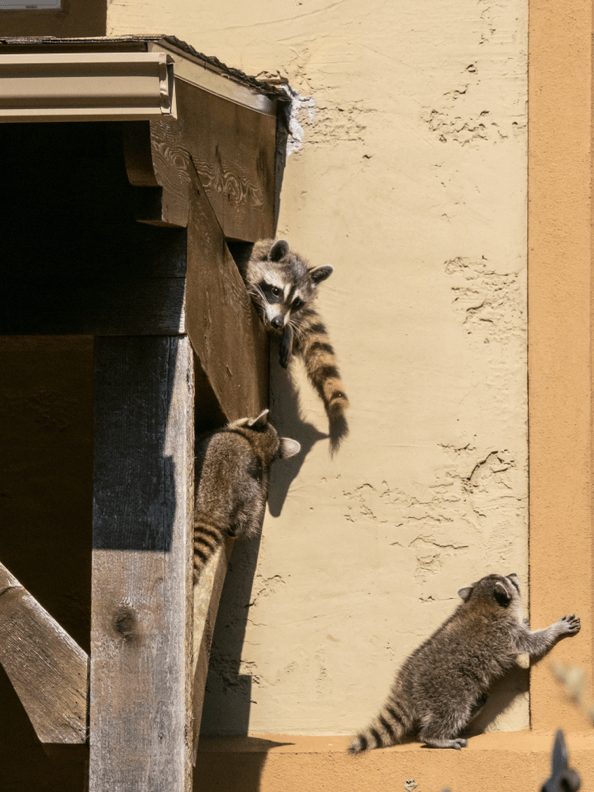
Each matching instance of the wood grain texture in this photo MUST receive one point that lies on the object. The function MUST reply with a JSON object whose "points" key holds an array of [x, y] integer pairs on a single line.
{"points": [[140, 702], [48, 670], [226, 333], [207, 595], [232, 148]]}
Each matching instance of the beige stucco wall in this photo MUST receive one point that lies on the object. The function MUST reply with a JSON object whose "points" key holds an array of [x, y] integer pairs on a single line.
{"points": [[408, 175]]}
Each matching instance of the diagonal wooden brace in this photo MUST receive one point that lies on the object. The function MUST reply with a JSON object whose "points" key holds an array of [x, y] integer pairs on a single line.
{"points": [[48, 670]]}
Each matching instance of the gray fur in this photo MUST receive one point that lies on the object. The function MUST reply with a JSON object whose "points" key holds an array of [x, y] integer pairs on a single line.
{"points": [[233, 466], [444, 683], [283, 288]]}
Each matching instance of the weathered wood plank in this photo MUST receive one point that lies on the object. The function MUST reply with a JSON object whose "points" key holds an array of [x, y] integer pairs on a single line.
{"points": [[207, 595], [48, 670], [140, 700], [226, 333], [232, 147]]}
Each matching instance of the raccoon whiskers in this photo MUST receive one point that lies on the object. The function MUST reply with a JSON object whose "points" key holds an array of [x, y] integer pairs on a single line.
{"points": [[258, 298]]}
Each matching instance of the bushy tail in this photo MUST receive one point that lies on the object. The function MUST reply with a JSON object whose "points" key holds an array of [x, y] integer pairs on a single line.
{"points": [[320, 363], [207, 538], [387, 729]]}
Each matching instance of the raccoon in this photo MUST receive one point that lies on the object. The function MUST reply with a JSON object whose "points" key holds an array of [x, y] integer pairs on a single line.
{"points": [[444, 683], [233, 465], [283, 287]]}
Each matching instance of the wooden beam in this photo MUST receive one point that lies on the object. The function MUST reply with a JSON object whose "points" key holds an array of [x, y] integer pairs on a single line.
{"points": [[140, 699], [48, 670], [233, 149], [207, 595], [116, 306], [226, 333]]}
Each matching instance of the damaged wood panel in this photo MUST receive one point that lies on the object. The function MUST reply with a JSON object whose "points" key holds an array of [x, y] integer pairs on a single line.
{"points": [[226, 333], [140, 706], [48, 670]]}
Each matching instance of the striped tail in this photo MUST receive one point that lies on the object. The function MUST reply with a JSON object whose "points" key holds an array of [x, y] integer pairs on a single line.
{"points": [[387, 729], [320, 363], [207, 538]]}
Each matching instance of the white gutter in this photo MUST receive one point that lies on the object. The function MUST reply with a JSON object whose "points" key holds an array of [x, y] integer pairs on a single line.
{"points": [[86, 86]]}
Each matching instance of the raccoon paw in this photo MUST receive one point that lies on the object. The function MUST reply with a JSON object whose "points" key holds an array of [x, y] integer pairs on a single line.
{"points": [[436, 742], [570, 624]]}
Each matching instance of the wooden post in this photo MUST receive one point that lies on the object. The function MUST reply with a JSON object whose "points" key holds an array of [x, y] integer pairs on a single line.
{"points": [[140, 702]]}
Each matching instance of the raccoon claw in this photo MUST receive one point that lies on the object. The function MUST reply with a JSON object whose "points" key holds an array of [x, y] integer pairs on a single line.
{"points": [[457, 744], [571, 623]]}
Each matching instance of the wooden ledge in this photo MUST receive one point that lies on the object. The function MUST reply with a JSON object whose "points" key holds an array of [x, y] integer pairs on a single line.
{"points": [[491, 762]]}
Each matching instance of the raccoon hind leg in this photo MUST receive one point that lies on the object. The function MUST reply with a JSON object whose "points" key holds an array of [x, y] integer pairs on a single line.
{"points": [[440, 730]]}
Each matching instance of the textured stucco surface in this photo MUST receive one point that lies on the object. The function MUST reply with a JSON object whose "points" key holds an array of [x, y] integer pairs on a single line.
{"points": [[408, 175]]}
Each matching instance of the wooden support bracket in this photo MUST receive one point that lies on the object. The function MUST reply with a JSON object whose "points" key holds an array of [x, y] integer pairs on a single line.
{"points": [[232, 148], [48, 670]]}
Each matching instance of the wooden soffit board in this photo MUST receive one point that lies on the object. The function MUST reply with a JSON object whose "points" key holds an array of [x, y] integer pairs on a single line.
{"points": [[202, 116]]}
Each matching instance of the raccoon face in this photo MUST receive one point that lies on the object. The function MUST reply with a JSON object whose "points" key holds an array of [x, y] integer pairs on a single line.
{"points": [[282, 285]]}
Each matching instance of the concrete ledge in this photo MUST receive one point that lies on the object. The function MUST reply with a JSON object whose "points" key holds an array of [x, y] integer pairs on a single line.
{"points": [[289, 763]]}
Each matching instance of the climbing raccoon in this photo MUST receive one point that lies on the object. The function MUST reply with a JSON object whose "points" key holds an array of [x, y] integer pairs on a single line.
{"points": [[283, 287], [233, 466], [444, 683]]}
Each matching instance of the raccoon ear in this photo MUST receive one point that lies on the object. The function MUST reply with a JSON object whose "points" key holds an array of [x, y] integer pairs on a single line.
{"points": [[260, 420], [288, 447], [319, 274], [278, 250], [465, 592], [501, 594]]}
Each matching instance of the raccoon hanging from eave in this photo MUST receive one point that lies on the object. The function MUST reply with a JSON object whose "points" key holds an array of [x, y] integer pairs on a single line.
{"points": [[444, 683], [233, 465], [283, 288]]}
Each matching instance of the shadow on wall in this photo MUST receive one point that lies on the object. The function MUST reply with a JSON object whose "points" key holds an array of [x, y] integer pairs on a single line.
{"points": [[228, 692], [501, 695], [285, 415], [241, 770]]}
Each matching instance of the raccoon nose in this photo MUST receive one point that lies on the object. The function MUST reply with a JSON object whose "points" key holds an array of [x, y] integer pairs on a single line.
{"points": [[277, 322]]}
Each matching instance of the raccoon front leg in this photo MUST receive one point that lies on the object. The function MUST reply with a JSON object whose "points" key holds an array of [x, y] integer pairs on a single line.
{"points": [[286, 346], [540, 641]]}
